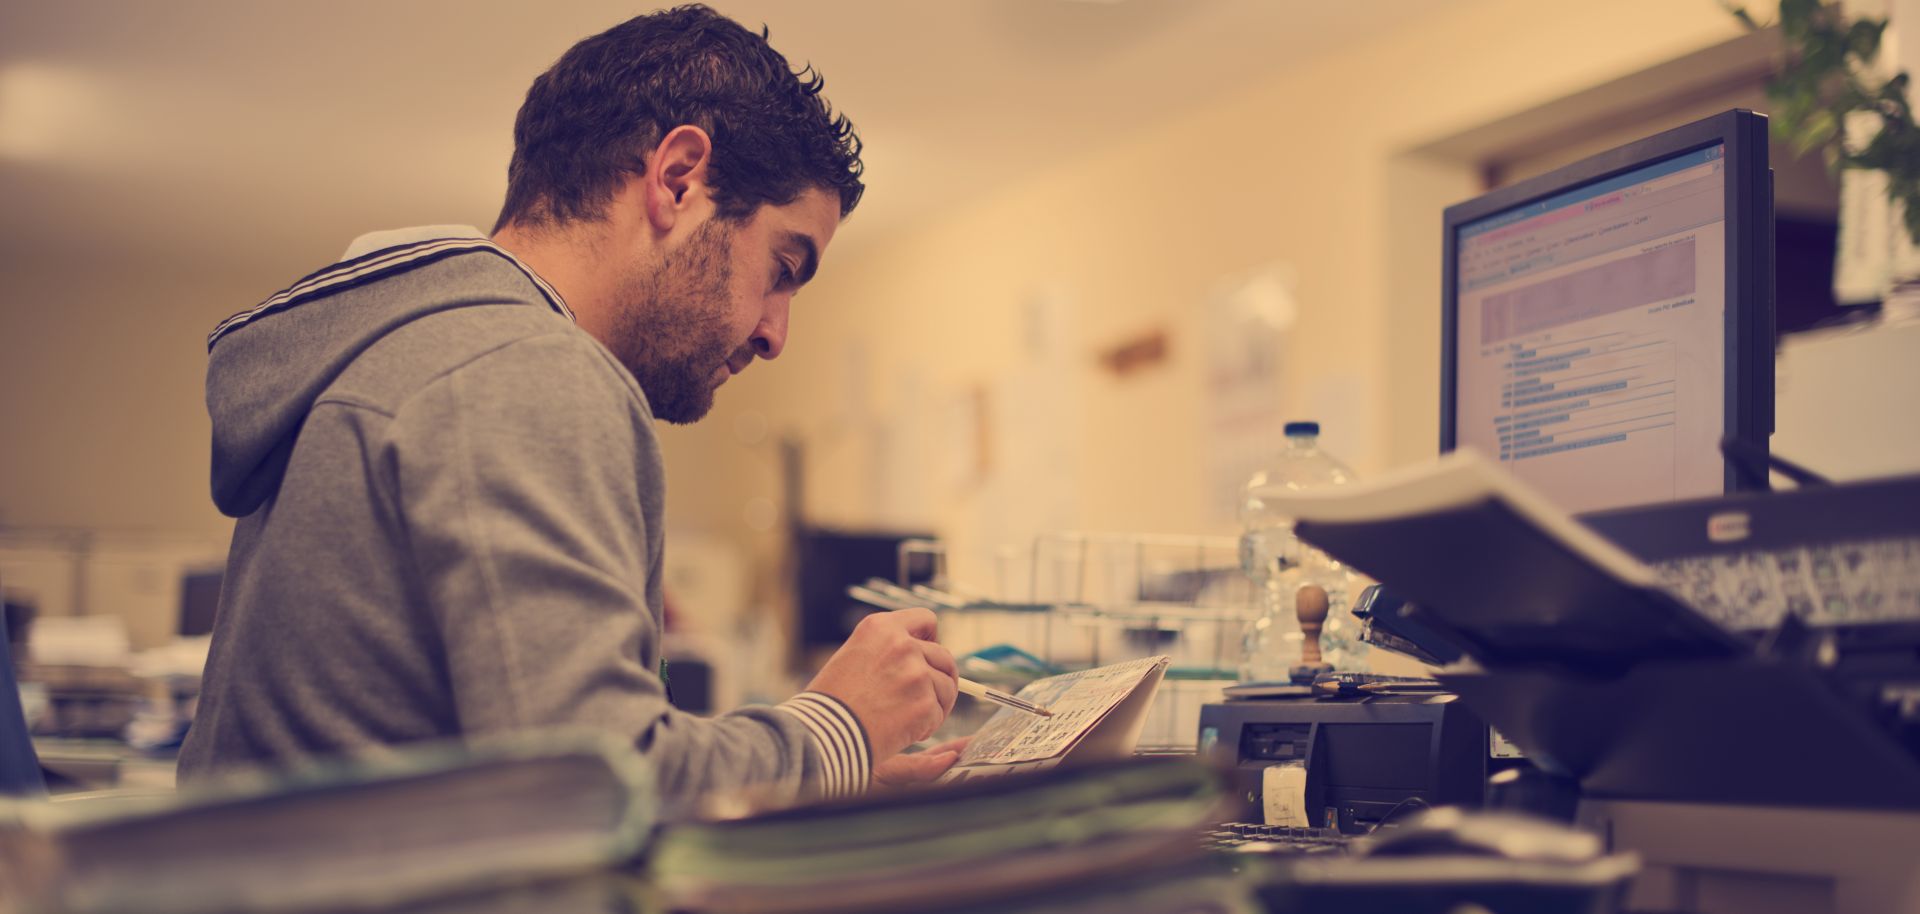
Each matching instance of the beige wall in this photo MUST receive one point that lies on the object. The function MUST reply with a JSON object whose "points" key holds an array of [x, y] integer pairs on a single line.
{"points": [[100, 370], [102, 423], [1309, 170]]}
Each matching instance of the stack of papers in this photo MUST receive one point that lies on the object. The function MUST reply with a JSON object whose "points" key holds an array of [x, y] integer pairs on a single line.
{"points": [[998, 842], [447, 828]]}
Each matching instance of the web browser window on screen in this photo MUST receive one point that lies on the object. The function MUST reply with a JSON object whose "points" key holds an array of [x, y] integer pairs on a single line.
{"points": [[1591, 336]]}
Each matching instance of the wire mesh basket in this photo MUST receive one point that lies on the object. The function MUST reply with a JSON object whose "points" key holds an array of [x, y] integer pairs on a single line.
{"points": [[1080, 600]]}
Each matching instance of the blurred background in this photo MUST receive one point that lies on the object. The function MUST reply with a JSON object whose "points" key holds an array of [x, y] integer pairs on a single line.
{"points": [[1107, 247]]}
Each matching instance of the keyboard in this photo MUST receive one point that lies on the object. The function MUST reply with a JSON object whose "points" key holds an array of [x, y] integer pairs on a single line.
{"points": [[1250, 838]]}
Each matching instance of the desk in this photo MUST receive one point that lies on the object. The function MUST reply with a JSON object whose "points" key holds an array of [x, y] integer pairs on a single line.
{"points": [[97, 764], [1716, 859]]}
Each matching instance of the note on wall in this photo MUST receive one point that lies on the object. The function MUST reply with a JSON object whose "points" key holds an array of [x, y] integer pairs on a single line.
{"points": [[1247, 322]]}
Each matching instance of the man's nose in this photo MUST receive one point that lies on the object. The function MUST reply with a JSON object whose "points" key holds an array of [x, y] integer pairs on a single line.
{"points": [[770, 337]]}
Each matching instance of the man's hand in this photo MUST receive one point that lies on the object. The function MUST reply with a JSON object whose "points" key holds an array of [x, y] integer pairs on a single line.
{"points": [[908, 769], [893, 677]]}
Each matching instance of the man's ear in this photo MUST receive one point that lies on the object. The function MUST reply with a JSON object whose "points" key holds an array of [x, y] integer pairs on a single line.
{"points": [[676, 178]]}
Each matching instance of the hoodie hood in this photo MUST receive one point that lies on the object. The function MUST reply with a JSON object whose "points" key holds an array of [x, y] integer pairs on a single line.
{"points": [[266, 366]]}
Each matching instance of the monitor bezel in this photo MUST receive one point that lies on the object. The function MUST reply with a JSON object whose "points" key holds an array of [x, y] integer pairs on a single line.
{"points": [[1749, 337]]}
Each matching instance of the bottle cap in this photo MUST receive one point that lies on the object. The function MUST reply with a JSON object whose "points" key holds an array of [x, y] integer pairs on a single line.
{"points": [[1302, 428]]}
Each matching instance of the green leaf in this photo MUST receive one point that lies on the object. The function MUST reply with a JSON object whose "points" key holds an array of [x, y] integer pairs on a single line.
{"points": [[1819, 129], [1797, 12], [1826, 76], [1740, 12], [1792, 110], [1894, 95], [1863, 38]]}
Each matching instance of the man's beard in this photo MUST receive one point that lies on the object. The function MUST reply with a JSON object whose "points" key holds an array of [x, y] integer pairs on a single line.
{"points": [[671, 329]]}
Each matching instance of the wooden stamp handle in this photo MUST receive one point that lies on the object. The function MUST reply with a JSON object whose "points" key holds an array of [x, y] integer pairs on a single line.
{"points": [[1310, 606]]}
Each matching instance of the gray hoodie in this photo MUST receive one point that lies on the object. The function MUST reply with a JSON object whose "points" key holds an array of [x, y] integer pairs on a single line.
{"points": [[450, 523]]}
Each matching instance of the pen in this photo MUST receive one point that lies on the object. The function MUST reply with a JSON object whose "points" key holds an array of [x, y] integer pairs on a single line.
{"points": [[969, 687]]}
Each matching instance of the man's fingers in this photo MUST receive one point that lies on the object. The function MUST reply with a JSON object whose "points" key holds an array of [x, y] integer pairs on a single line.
{"points": [[952, 745], [945, 674], [944, 693], [931, 725], [945, 690], [878, 671], [925, 766], [939, 658], [917, 768], [919, 622]]}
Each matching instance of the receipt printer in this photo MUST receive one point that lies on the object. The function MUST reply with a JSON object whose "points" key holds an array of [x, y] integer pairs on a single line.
{"points": [[1363, 759]]}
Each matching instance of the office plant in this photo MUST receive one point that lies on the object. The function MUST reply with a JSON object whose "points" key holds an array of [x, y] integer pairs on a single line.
{"points": [[1828, 79]]}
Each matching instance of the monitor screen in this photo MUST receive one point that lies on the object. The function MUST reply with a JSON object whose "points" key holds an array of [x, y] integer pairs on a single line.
{"points": [[199, 600], [1591, 328]]}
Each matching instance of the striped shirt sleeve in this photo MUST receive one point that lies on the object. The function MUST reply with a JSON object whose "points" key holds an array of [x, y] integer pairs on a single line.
{"points": [[845, 756]]}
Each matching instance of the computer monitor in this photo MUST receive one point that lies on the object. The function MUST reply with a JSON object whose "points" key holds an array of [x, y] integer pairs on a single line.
{"points": [[1605, 325], [199, 600], [829, 560]]}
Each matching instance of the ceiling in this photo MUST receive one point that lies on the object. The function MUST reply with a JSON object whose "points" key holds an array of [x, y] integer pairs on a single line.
{"points": [[199, 132]]}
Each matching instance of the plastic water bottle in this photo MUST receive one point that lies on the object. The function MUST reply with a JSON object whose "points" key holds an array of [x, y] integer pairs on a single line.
{"points": [[1279, 564]]}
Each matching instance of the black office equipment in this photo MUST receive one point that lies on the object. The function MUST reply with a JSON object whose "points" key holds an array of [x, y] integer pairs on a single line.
{"points": [[19, 766], [1501, 572], [1508, 835], [1841, 556], [1363, 759], [1449, 861], [1248, 837], [690, 682], [1748, 730], [1727, 681], [1388, 621], [1605, 325], [1825, 581], [199, 600], [831, 560], [1827, 575]]}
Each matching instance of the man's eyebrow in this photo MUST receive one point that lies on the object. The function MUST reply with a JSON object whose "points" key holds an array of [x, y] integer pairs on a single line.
{"points": [[809, 255]]}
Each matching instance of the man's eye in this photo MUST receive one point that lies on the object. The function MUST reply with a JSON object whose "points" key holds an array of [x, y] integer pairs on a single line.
{"points": [[786, 275]]}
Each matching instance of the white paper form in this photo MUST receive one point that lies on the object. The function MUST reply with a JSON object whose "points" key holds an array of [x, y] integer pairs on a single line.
{"points": [[1079, 701]]}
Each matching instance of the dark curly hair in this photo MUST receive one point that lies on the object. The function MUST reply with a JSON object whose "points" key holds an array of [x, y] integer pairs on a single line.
{"points": [[590, 120]]}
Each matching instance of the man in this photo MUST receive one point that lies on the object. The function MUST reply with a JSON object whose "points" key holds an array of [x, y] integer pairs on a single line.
{"points": [[441, 449]]}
